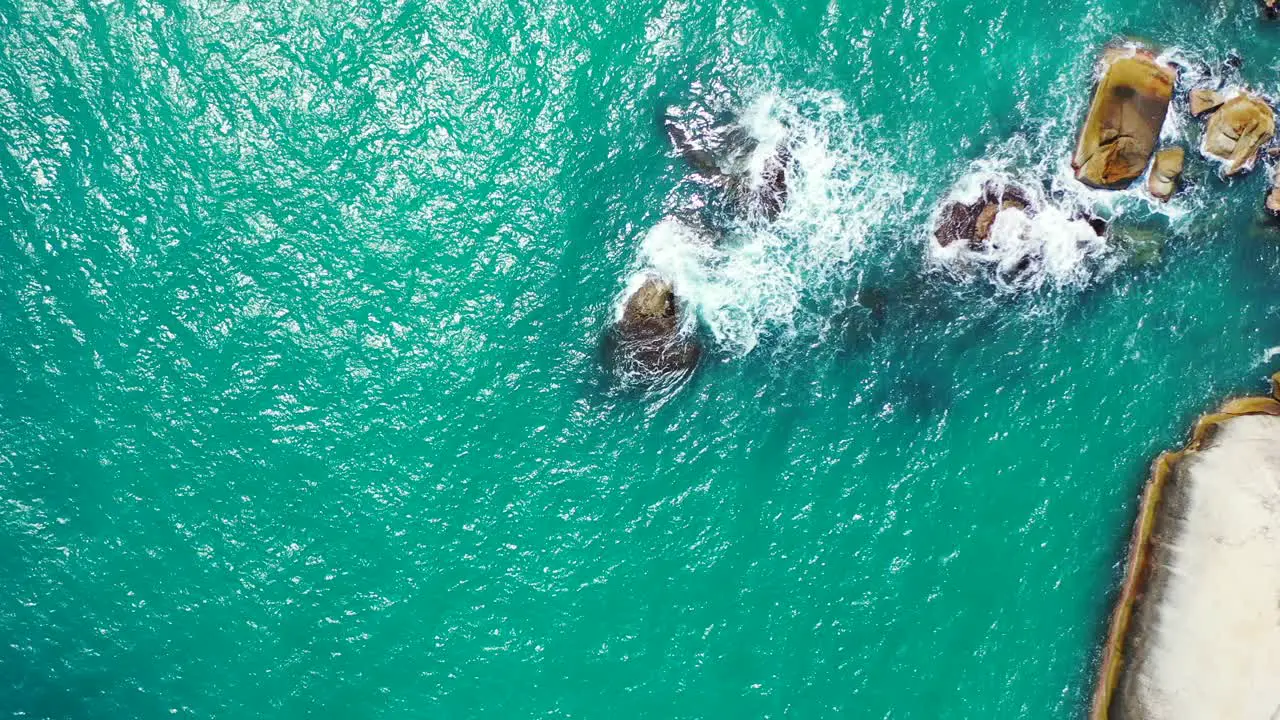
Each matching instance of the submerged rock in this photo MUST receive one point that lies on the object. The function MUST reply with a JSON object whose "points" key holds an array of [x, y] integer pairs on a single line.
{"points": [[1143, 245], [876, 302], [1163, 182], [647, 343], [863, 318], [694, 140], [1204, 101], [723, 156], [1129, 106], [972, 222], [764, 195], [1238, 130]]}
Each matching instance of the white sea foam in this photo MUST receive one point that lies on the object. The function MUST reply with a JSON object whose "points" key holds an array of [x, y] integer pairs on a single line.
{"points": [[1051, 243], [762, 122], [779, 279], [1174, 128], [758, 278], [1215, 648], [1053, 246]]}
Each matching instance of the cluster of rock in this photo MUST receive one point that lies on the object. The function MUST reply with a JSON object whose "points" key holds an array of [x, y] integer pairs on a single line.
{"points": [[1122, 129], [1014, 235], [649, 342], [1115, 147], [1238, 128], [1118, 143], [971, 222]]}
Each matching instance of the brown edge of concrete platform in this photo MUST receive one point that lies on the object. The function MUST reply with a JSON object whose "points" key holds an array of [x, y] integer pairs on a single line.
{"points": [[1138, 568]]}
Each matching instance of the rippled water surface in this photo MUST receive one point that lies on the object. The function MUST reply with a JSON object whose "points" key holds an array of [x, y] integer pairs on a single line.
{"points": [[301, 307]]}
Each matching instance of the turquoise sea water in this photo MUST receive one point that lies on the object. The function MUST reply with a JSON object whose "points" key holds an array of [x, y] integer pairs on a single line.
{"points": [[303, 412]]}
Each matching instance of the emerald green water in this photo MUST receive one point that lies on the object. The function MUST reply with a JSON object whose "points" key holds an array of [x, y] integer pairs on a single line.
{"points": [[303, 413]]}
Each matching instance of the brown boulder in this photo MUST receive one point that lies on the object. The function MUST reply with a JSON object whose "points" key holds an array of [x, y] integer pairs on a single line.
{"points": [[1165, 172], [1204, 100], [972, 221], [646, 343], [1273, 197], [1120, 131], [1238, 130]]}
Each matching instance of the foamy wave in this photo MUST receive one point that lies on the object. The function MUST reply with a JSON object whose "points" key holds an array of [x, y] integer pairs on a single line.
{"points": [[1053, 245], [737, 292], [762, 123], [756, 279], [1050, 243]]}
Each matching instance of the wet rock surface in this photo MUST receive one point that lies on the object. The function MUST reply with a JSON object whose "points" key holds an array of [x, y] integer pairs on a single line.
{"points": [[1166, 171], [724, 156], [1272, 203], [1204, 100], [647, 344], [1238, 130], [1128, 108], [972, 222]]}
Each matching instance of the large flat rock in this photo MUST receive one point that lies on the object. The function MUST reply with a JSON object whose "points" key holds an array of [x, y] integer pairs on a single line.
{"points": [[1122, 127], [1196, 633]]}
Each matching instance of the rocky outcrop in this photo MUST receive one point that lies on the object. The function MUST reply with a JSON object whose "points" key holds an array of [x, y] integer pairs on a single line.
{"points": [[971, 222], [721, 156], [1163, 182], [765, 195], [1238, 130], [1205, 101], [646, 343], [1273, 195], [1120, 132]]}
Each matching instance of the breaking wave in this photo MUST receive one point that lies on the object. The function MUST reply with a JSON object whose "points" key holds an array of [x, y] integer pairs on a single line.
{"points": [[749, 279], [1050, 242]]}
